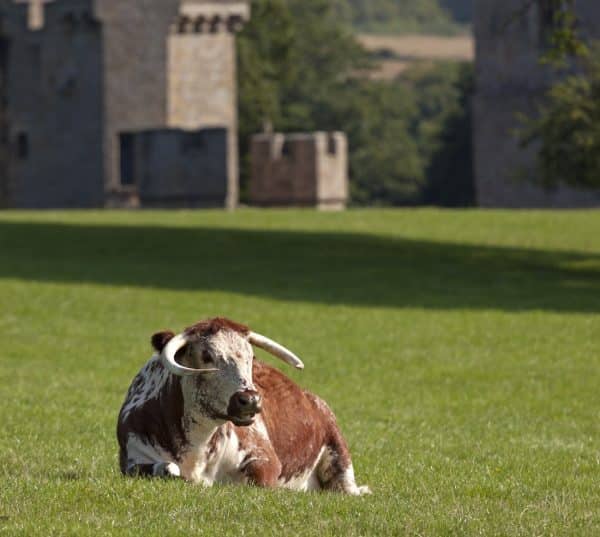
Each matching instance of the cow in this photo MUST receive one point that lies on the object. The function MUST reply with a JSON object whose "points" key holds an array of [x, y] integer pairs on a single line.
{"points": [[204, 409]]}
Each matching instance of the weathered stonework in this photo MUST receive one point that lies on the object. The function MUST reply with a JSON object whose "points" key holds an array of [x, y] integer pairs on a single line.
{"points": [[307, 170], [511, 80], [79, 73]]}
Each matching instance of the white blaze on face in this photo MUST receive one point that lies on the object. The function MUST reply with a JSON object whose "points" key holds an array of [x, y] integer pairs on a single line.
{"points": [[231, 354]]}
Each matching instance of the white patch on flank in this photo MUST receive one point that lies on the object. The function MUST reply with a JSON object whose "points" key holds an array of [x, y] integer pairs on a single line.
{"points": [[307, 480], [153, 379], [140, 452]]}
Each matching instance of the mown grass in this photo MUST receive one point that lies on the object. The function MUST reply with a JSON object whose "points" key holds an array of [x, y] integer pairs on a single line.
{"points": [[460, 351]]}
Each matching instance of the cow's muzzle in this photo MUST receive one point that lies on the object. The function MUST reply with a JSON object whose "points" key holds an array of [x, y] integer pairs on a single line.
{"points": [[243, 407]]}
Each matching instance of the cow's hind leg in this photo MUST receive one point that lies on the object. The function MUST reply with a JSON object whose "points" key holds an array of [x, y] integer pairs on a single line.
{"points": [[159, 469], [336, 473]]}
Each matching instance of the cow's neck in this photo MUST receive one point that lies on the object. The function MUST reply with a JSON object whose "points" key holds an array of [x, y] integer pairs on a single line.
{"points": [[199, 429], [202, 447]]}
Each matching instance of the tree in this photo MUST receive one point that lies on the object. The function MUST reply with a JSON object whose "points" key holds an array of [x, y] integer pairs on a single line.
{"points": [[450, 180]]}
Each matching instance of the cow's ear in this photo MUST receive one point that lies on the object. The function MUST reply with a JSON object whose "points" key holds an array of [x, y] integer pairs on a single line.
{"points": [[160, 339]]}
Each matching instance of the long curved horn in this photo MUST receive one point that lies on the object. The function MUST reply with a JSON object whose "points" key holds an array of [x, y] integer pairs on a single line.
{"points": [[168, 358], [275, 349]]}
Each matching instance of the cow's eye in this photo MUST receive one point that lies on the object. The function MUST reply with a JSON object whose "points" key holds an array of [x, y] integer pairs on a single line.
{"points": [[207, 358]]}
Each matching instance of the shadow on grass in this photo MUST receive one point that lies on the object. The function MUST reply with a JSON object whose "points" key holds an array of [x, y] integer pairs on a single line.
{"points": [[331, 268]]}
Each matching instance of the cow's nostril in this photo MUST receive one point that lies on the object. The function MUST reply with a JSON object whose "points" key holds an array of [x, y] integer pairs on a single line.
{"points": [[244, 399]]}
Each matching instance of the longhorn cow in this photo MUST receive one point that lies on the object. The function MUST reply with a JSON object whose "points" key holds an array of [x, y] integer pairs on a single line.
{"points": [[203, 408]]}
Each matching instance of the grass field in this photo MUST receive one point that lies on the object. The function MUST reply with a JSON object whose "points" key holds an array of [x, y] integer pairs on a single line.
{"points": [[460, 351]]}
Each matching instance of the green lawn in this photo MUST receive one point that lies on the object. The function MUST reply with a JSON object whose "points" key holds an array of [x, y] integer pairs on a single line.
{"points": [[459, 350]]}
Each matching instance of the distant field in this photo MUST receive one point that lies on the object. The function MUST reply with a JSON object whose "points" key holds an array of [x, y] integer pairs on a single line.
{"points": [[398, 52], [460, 351]]}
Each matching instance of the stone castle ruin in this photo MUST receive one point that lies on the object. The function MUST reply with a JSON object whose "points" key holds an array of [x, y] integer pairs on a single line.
{"points": [[510, 79], [302, 170], [119, 103]]}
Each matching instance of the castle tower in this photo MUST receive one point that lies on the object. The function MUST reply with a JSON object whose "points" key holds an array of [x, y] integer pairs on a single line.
{"points": [[53, 91], [202, 77], [511, 80]]}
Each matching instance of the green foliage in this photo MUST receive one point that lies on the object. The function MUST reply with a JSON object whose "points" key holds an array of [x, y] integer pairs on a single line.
{"points": [[564, 39], [447, 135], [461, 10], [302, 70], [567, 129], [458, 349]]}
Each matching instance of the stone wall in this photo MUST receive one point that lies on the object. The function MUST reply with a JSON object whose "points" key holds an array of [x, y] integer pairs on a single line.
{"points": [[308, 170], [177, 168], [511, 80]]}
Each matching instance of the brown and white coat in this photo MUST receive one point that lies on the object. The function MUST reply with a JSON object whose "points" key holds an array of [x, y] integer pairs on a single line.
{"points": [[205, 409]]}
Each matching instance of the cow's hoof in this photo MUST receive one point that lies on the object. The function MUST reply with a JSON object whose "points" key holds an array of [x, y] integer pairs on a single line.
{"points": [[167, 469], [359, 491]]}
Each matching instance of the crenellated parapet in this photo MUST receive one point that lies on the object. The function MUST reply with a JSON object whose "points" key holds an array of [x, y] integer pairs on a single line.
{"points": [[71, 15], [211, 17], [24, 16]]}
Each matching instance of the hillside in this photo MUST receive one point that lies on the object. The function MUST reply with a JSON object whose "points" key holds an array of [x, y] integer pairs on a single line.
{"points": [[407, 16], [395, 53]]}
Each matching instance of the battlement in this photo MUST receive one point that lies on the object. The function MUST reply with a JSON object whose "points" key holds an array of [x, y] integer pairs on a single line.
{"points": [[27, 13], [305, 169], [290, 146], [38, 15], [19, 16], [211, 17], [71, 15]]}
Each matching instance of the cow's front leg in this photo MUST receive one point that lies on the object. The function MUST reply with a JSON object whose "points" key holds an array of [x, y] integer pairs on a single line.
{"points": [[263, 472], [159, 469]]}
